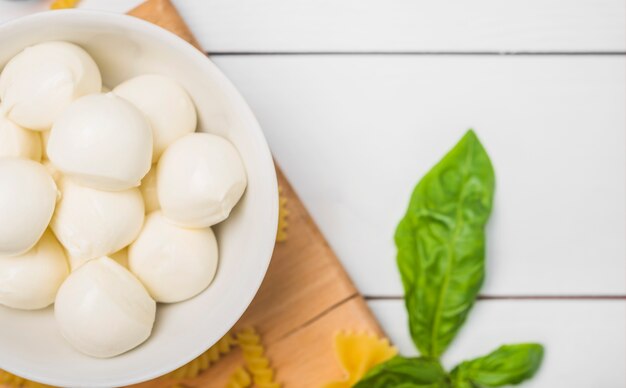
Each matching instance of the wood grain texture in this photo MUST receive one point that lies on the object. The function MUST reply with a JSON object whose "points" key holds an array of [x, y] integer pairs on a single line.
{"points": [[162, 13], [306, 296]]}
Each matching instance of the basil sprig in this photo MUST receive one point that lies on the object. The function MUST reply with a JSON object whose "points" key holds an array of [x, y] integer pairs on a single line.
{"points": [[441, 259]]}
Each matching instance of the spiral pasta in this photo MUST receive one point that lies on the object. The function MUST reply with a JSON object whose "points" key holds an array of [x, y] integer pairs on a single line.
{"points": [[283, 213], [256, 361], [12, 380], [202, 362], [239, 379], [257, 365], [357, 353], [62, 4]]}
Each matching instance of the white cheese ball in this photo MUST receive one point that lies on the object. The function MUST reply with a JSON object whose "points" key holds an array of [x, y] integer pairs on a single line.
{"points": [[200, 178], [103, 310], [18, 142], [41, 81], [102, 141], [149, 191], [28, 196], [91, 223], [30, 281], [172, 262], [166, 105]]}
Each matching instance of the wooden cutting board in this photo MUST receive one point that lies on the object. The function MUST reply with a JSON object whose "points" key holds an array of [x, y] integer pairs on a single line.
{"points": [[306, 297]]}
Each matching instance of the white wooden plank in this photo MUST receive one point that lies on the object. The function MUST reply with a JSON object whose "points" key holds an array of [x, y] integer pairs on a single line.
{"points": [[407, 25], [354, 134], [584, 340], [380, 25], [12, 9]]}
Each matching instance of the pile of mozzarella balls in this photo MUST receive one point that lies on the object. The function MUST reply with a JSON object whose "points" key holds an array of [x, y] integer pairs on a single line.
{"points": [[106, 199]]}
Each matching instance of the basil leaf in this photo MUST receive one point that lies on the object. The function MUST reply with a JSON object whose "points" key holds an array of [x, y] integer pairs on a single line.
{"points": [[400, 372], [441, 244], [509, 364]]}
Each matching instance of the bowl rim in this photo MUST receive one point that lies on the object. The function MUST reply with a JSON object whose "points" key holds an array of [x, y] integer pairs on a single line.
{"points": [[265, 249]]}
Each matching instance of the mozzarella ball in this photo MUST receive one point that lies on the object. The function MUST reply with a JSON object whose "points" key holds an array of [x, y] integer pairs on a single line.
{"points": [[102, 141], [18, 142], [30, 281], [172, 262], [149, 191], [41, 81], [166, 105], [91, 223], [28, 196], [103, 310], [200, 178]]}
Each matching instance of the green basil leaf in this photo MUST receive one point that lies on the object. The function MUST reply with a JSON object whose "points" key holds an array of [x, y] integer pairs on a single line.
{"points": [[463, 384], [400, 372], [441, 244], [508, 365]]}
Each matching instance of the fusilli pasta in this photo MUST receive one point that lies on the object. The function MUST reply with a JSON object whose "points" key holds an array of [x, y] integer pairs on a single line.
{"points": [[283, 213], [62, 4], [256, 361], [16, 381], [239, 379], [257, 369], [202, 362]]}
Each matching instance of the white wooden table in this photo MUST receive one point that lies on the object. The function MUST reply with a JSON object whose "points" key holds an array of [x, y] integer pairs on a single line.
{"points": [[358, 98]]}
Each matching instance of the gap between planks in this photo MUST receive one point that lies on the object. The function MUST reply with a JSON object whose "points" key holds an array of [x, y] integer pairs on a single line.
{"points": [[517, 297], [317, 317], [419, 53]]}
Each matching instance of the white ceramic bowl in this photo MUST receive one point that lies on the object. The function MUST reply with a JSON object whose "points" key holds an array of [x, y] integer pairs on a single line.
{"points": [[30, 343]]}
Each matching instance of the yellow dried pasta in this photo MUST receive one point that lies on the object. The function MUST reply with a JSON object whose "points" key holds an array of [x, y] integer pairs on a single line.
{"points": [[239, 379], [63, 4], [357, 353], [257, 364], [256, 361], [202, 362], [283, 213], [12, 380]]}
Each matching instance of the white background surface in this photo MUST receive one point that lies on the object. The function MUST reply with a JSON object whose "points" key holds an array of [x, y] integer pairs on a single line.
{"points": [[358, 98]]}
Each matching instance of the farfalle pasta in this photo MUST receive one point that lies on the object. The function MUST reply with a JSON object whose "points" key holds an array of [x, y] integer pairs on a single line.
{"points": [[357, 353]]}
